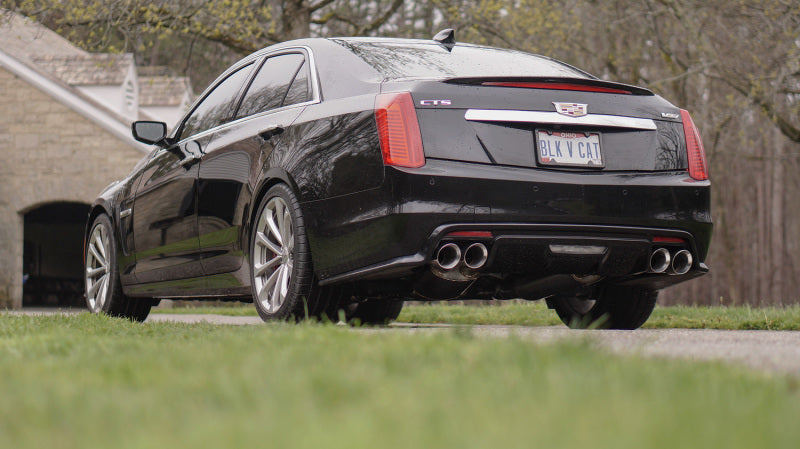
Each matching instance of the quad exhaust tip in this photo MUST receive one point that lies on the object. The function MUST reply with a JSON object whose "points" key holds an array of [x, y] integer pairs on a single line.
{"points": [[475, 256], [659, 260], [448, 256], [681, 262]]}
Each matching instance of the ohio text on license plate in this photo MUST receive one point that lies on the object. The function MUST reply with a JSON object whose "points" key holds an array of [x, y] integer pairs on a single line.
{"points": [[568, 149]]}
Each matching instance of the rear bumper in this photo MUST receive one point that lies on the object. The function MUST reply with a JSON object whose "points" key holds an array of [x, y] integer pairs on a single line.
{"points": [[393, 230], [526, 251]]}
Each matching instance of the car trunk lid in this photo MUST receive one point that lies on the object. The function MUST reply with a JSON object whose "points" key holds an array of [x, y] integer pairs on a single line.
{"points": [[524, 121]]}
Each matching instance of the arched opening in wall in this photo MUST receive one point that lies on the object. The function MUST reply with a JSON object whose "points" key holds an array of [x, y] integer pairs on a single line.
{"points": [[53, 255]]}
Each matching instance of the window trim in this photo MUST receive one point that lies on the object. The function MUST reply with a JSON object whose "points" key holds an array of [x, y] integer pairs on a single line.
{"points": [[253, 77], [209, 90], [258, 58]]}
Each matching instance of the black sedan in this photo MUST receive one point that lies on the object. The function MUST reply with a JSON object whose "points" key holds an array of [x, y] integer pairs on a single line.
{"points": [[340, 177]]}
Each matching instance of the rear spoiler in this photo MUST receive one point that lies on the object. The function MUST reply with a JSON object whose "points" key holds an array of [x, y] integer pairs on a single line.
{"points": [[576, 84]]}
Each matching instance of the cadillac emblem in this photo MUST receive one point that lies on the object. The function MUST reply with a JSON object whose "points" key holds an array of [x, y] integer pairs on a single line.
{"points": [[570, 109]]}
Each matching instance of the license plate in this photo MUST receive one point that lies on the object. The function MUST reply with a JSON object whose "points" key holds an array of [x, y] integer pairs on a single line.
{"points": [[568, 149]]}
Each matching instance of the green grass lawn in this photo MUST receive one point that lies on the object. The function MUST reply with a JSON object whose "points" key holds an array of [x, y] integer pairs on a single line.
{"points": [[85, 381], [537, 314]]}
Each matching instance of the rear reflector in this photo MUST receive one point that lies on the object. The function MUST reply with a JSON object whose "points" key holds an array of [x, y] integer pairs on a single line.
{"points": [[661, 239], [398, 130], [475, 234], [698, 169], [556, 86]]}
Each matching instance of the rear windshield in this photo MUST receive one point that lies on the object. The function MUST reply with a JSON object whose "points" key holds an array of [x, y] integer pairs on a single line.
{"points": [[430, 60]]}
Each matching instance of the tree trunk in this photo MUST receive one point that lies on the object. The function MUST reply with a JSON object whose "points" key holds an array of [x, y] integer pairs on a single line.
{"points": [[776, 220], [296, 19]]}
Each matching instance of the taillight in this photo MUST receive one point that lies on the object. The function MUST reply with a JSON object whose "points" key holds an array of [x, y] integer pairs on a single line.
{"points": [[556, 86], [698, 169], [398, 130]]}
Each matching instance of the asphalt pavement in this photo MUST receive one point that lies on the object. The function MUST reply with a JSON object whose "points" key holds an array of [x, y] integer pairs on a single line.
{"points": [[767, 351], [773, 352]]}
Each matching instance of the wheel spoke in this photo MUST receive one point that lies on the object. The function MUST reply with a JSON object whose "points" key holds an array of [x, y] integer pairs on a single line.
{"points": [[286, 229], [92, 272], [273, 229], [262, 240], [261, 268], [275, 299], [285, 281], [278, 217], [101, 296], [95, 285], [99, 258], [271, 281], [99, 241]]}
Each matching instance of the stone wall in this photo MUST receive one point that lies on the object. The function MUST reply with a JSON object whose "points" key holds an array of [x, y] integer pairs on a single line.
{"points": [[48, 153]]}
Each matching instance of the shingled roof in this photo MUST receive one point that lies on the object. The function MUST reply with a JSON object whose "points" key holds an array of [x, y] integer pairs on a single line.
{"points": [[51, 56], [22, 37], [97, 69], [158, 87]]}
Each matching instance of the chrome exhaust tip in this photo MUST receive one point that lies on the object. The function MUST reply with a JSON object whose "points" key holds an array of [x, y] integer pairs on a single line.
{"points": [[448, 256], [475, 256], [659, 260], [681, 262]]}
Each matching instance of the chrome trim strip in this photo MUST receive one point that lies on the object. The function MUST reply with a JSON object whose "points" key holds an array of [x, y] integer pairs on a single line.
{"points": [[125, 213], [554, 118]]}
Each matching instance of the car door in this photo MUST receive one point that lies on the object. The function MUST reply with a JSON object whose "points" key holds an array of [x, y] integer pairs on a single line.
{"points": [[232, 162], [165, 205]]}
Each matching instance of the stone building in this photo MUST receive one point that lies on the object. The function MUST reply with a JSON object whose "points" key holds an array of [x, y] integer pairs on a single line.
{"points": [[65, 119]]}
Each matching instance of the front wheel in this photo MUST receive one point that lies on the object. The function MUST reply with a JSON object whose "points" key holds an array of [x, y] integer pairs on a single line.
{"points": [[103, 287], [608, 307]]}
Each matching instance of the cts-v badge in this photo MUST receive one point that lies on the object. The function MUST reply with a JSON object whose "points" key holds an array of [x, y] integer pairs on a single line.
{"points": [[570, 109]]}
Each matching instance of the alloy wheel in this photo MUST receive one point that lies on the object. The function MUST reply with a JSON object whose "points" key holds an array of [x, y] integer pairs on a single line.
{"points": [[273, 255], [97, 269]]}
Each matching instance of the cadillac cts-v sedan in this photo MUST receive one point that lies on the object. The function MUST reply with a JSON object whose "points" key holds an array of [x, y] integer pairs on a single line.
{"points": [[341, 177]]}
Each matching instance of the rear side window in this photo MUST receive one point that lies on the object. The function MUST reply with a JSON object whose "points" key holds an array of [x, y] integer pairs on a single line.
{"points": [[217, 107], [270, 86], [298, 92]]}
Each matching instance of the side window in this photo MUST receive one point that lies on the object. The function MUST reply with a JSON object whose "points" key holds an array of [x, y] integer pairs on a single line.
{"points": [[270, 85], [218, 105], [298, 92]]}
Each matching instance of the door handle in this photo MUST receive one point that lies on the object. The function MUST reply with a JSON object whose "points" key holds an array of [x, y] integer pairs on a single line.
{"points": [[271, 132]]}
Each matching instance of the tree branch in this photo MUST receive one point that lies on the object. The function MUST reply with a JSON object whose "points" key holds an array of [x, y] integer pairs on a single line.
{"points": [[319, 5], [381, 19]]}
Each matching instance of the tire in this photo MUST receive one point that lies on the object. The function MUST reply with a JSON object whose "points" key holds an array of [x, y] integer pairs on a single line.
{"points": [[376, 311], [103, 287], [282, 276], [610, 307], [336, 299]]}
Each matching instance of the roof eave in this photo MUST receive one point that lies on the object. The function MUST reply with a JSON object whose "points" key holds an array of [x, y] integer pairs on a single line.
{"points": [[72, 99]]}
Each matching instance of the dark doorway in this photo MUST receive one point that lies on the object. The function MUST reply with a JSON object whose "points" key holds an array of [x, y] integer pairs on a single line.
{"points": [[53, 255]]}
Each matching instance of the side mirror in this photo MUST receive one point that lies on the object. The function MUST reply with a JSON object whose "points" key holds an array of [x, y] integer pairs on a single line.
{"points": [[152, 133]]}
